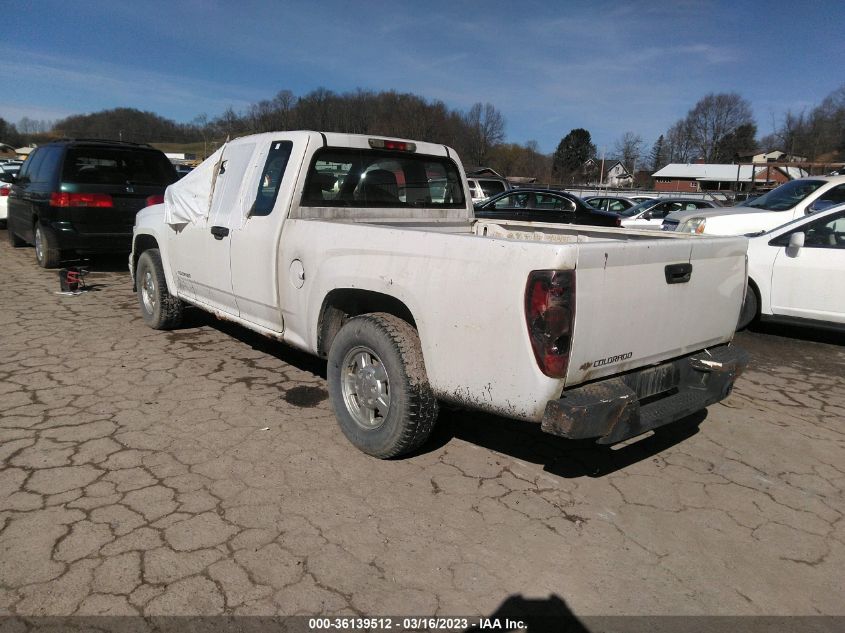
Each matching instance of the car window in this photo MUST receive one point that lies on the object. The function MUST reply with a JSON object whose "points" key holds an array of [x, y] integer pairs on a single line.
{"points": [[117, 166], [598, 203], [703, 205], [552, 203], [830, 198], [826, 233], [786, 196], [373, 178], [491, 187], [271, 177], [32, 163], [48, 169], [663, 209], [616, 206], [513, 201]]}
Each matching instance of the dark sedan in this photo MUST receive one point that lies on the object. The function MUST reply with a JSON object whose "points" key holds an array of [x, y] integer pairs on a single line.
{"points": [[543, 205]]}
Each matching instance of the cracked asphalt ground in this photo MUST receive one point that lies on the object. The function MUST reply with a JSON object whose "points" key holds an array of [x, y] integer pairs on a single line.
{"points": [[201, 472]]}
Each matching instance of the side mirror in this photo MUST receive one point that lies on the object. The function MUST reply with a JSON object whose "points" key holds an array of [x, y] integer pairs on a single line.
{"points": [[646, 216], [796, 242]]}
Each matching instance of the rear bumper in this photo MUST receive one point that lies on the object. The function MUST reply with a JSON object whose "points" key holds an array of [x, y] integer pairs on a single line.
{"points": [[71, 239], [625, 406]]}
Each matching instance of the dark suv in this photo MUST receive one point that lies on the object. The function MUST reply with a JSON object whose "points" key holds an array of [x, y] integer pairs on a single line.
{"points": [[81, 196]]}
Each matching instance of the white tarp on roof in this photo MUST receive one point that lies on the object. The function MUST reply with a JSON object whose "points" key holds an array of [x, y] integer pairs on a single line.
{"points": [[705, 171], [722, 173], [188, 200]]}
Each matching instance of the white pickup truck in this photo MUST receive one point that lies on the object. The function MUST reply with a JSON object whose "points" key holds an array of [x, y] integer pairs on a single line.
{"points": [[365, 251]]}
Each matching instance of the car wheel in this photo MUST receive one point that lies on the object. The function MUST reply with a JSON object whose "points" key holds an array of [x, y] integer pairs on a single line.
{"points": [[47, 252], [14, 240], [749, 309], [160, 309], [378, 386]]}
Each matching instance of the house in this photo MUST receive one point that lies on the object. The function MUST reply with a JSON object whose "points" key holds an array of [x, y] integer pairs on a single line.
{"points": [[24, 152], [607, 173], [766, 156], [690, 177]]}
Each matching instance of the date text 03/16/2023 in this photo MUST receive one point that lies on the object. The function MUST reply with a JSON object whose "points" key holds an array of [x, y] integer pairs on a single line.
{"points": [[414, 624]]}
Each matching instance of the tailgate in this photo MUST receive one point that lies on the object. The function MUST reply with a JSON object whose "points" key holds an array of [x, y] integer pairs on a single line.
{"points": [[119, 218], [633, 312]]}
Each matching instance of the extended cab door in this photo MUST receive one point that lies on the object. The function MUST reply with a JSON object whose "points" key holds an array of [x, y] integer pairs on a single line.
{"points": [[256, 237], [808, 283], [201, 250]]}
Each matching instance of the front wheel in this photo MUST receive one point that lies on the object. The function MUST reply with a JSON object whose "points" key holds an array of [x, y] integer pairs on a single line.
{"points": [[378, 386], [160, 309], [749, 309]]}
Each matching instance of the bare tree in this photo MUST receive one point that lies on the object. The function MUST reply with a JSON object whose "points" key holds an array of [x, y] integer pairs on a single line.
{"points": [[679, 143], [487, 128], [629, 149], [713, 118]]}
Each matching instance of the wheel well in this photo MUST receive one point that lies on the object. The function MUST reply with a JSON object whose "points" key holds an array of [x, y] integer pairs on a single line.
{"points": [[142, 243], [344, 303]]}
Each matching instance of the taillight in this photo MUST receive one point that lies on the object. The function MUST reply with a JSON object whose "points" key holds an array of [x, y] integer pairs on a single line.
{"points": [[398, 146], [550, 315], [4, 191], [157, 199], [64, 199]]}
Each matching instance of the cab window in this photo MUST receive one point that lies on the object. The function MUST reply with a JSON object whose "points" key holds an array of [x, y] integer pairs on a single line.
{"points": [[271, 177], [374, 178]]}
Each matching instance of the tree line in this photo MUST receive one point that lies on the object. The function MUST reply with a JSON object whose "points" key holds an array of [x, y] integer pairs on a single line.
{"points": [[715, 129]]}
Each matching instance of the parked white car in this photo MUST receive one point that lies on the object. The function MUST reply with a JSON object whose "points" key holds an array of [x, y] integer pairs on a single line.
{"points": [[6, 180], [649, 214], [481, 188], [791, 200], [796, 272]]}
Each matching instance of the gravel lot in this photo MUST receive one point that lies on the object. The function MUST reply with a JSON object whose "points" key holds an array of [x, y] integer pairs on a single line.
{"points": [[201, 472]]}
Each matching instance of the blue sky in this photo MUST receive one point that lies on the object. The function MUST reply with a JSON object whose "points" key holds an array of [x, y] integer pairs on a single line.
{"points": [[609, 67]]}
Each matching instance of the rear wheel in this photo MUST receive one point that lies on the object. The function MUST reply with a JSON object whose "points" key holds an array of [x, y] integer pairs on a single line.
{"points": [[47, 252], [160, 309], [749, 309], [378, 386]]}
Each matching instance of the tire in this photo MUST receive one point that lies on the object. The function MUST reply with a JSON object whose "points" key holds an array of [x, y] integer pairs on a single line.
{"points": [[47, 252], [748, 313], [14, 240], [395, 372], [160, 309]]}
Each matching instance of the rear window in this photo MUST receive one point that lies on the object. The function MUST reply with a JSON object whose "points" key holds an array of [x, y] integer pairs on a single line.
{"points": [[491, 187], [371, 178], [114, 166]]}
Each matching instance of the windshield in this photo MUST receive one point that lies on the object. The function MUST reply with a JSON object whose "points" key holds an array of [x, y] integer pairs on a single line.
{"points": [[638, 208], [786, 196]]}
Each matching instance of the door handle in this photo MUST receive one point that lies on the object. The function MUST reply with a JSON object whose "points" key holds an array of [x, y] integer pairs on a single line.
{"points": [[219, 232], [678, 273]]}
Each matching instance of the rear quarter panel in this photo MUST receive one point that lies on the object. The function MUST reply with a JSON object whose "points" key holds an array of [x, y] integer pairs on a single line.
{"points": [[466, 294]]}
